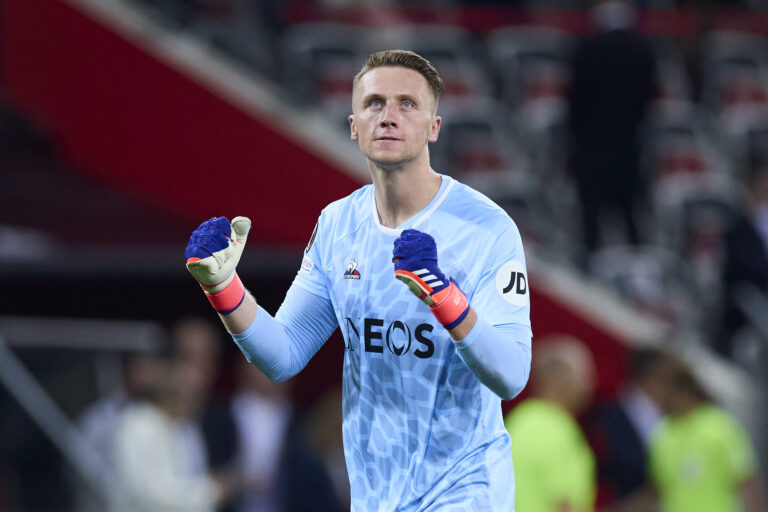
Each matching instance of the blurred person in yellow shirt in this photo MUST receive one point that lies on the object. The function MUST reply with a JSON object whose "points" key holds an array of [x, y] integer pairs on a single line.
{"points": [[554, 464], [700, 457]]}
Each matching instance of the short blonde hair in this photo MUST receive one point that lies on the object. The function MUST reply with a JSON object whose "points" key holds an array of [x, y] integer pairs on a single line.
{"points": [[406, 59]]}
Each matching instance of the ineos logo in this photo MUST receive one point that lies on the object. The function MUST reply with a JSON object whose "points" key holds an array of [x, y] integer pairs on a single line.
{"points": [[405, 338], [398, 335]]}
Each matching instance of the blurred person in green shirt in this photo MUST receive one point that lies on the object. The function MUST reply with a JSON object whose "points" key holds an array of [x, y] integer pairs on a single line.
{"points": [[554, 464], [700, 457]]}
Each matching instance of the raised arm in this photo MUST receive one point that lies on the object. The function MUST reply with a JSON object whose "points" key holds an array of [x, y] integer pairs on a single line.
{"points": [[499, 356], [279, 346]]}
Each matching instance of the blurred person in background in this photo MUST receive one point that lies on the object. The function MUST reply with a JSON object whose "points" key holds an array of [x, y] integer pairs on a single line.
{"points": [[612, 84], [158, 456], [313, 472], [622, 429], [554, 464], [196, 344], [98, 421], [700, 458], [261, 411], [197, 347], [745, 261]]}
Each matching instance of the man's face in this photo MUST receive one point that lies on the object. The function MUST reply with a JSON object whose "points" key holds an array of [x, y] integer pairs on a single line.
{"points": [[393, 116]]}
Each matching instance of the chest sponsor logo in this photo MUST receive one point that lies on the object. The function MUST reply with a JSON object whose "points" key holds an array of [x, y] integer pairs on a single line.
{"points": [[352, 272], [397, 337], [512, 283]]}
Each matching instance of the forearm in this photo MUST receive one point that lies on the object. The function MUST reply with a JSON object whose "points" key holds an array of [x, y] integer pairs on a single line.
{"points": [[238, 321], [462, 330], [281, 346], [266, 346], [500, 357]]}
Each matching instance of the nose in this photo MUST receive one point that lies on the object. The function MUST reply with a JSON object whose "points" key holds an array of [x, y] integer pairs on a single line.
{"points": [[387, 119]]}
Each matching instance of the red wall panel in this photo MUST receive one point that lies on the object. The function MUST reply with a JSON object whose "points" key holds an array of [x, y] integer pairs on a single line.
{"points": [[128, 118]]}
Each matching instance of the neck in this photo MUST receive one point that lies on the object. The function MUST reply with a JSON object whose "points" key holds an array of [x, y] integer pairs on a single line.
{"points": [[403, 192], [558, 398], [685, 405]]}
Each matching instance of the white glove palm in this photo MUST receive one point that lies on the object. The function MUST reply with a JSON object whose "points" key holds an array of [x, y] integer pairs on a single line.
{"points": [[211, 257]]}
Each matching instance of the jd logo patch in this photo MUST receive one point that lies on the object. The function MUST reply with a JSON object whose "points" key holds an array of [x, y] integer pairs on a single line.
{"points": [[512, 283]]}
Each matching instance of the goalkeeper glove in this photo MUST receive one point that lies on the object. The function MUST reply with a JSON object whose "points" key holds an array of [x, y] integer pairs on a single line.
{"points": [[213, 251], [415, 258]]}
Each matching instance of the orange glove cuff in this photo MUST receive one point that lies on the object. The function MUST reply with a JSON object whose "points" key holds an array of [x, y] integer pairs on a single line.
{"points": [[228, 299]]}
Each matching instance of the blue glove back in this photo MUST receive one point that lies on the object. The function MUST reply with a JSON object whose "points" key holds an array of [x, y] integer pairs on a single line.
{"points": [[211, 236], [416, 252], [415, 258]]}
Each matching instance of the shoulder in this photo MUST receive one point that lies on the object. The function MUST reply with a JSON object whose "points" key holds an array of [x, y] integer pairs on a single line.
{"points": [[139, 420], [472, 207], [538, 414], [718, 421], [540, 426], [348, 213]]}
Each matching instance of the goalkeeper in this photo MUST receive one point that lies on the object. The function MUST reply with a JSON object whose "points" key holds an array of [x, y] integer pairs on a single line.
{"points": [[423, 379]]}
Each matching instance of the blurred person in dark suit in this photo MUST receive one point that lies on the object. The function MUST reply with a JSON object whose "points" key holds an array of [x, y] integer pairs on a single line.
{"points": [[612, 83], [622, 430], [261, 411], [313, 472], [746, 255], [197, 344]]}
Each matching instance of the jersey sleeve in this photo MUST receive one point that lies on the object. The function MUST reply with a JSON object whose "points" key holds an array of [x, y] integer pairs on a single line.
{"points": [[310, 275], [502, 296]]}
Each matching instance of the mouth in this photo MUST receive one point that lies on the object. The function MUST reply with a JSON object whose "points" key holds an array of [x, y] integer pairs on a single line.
{"points": [[387, 138]]}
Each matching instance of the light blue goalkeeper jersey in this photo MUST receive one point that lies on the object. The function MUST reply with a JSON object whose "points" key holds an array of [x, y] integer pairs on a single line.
{"points": [[420, 431]]}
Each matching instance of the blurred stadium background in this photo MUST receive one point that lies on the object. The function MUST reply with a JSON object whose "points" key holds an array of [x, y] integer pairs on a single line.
{"points": [[125, 123]]}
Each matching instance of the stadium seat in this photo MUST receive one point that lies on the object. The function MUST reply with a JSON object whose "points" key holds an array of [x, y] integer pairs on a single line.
{"points": [[530, 62], [735, 83], [652, 279], [453, 50], [681, 138], [481, 145], [320, 59]]}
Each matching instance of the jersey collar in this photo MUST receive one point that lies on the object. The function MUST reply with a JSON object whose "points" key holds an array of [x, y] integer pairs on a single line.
{"points": [[414, 222]]}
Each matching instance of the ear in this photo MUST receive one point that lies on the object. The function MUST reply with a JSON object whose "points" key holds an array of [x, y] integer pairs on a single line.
{"points": [[434, 129], [352, 127]]}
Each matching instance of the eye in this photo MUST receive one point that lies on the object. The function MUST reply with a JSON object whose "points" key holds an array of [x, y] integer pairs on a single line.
{"points": [[376, 103], [407, 104]]}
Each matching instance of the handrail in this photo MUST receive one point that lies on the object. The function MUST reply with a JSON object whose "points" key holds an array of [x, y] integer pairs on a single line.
{"points": [[31, 396]]}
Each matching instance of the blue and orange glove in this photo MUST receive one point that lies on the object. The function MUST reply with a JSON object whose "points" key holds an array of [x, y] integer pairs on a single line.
{"points": [[213, 251], [415, 258]]}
